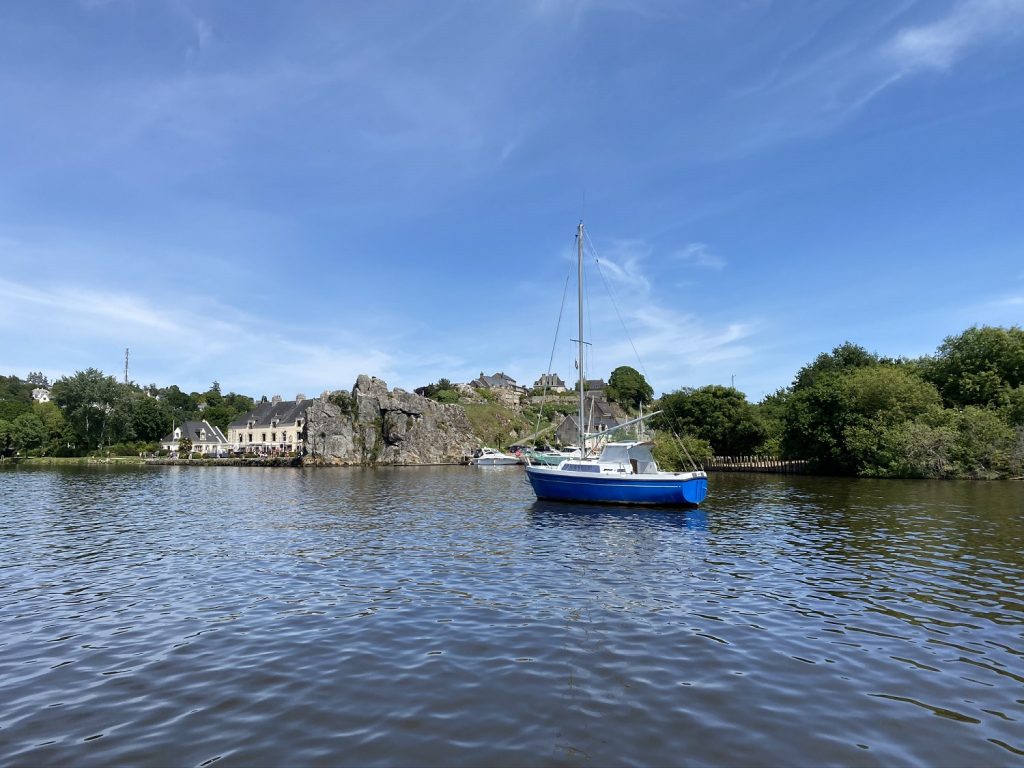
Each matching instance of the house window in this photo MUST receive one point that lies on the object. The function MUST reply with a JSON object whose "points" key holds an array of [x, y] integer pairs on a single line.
{"points": [[273, 437], [250, 437], [284, 437], [263, 437]]}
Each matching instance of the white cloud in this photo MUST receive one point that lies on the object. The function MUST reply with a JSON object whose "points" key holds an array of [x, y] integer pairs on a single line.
{"points": [[821, 83], [188, 340], [701, 255], [674, 346], [942, 43]]}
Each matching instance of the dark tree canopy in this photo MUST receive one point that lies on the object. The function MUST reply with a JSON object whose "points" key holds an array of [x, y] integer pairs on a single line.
{"points": [[628, 388], [720, 415], [843, 358], [981, 366]]}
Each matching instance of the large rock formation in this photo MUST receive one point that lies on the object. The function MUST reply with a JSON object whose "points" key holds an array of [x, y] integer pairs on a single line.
{"points": [[374, 426]]}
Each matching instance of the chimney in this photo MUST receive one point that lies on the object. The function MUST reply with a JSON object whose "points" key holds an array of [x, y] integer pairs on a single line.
{"points": [[300, 397], [275, 399]]}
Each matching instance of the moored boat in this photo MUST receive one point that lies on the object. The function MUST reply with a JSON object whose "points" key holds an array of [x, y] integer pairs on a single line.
{"points": [[625, 472], [489, 457]]}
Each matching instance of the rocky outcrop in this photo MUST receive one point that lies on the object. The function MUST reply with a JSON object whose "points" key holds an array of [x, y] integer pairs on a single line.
{"points": [[373, 425]]}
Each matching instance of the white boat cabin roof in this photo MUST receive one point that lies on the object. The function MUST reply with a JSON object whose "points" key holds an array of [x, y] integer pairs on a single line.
{"points": [[626, 450]]}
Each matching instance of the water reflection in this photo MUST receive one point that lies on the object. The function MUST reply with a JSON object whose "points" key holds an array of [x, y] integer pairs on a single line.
{"points": [[444, 615], [542, 512]]}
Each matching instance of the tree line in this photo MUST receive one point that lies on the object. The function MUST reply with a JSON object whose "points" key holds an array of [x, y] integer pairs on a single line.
{"points": [[91, 411], [956, 413]]}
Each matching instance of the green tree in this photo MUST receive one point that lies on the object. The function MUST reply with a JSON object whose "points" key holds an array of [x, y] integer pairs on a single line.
{"points": [[985, 446], [5, 437], [841, 420], [87, 398], [185, 447], [183, 407], [720, 415], [151, 419], [978, 367], [27, 432], [628, 388], [845, 357], [58, 433], [15, 397], [674, 455], [771, 411]]}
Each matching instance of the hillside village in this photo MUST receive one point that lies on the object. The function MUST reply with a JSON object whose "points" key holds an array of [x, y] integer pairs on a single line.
{"points": [[438, 423], [276, 427]]}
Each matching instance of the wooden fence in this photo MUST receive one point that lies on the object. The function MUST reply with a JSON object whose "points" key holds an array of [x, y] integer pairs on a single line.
{"points": [[771, 464]]}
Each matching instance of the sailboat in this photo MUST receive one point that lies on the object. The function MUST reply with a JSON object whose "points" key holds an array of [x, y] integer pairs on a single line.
{"points": [[625, 472]]}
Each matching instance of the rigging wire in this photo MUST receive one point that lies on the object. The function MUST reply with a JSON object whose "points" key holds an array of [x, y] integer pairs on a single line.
{"points": [[643, 368], [615, 303]]}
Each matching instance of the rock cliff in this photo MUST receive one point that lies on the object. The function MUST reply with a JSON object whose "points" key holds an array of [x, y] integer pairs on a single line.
{"points": [[373, 425]]}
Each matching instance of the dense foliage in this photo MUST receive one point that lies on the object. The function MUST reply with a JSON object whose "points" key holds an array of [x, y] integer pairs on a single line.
{"points": [[720, 415], [90, 411], [959, 413], [628, 388]]}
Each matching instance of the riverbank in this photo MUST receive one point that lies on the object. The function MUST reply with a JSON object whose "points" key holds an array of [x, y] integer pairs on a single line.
{"points": [[69, 461], [274, 461]]}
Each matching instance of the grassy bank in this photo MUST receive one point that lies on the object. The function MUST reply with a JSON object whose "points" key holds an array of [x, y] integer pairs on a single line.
{"points": [[495, 424], [48, 461]]}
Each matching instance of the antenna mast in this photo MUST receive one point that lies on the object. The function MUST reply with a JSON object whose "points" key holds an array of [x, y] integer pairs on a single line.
{"points": [[126, 366], [579, 246]]}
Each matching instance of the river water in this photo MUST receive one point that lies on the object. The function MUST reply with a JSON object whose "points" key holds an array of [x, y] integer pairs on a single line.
{"points": [[442, 616]]}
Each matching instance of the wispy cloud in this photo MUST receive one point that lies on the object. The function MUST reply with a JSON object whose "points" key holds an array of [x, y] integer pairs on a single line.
{"points": [[674, 346], [701, 255], [826, 79], [943, 42], [193, 339]]}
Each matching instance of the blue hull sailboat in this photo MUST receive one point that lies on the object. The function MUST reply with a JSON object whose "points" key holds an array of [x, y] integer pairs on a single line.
{"points": [[624, 473]]}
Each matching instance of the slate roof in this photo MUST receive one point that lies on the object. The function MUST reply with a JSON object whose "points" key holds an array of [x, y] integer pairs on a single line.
{"points": [[597, 416], [193, 431], [283, 412], [497, 381], [550, 380]]}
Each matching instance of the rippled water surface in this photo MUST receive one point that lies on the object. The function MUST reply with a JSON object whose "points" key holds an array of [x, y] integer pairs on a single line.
{"points": [[184, 616]]}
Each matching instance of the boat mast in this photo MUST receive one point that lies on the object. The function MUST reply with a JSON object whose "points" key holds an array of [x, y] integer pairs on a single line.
{"points": [[579, 304]]}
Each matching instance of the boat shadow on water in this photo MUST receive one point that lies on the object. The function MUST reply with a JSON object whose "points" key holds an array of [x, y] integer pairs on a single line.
{"points": [[544, 512]]}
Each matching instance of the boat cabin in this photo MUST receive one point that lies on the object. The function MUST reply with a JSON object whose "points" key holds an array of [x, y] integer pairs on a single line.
{"points": [[626, 458]]}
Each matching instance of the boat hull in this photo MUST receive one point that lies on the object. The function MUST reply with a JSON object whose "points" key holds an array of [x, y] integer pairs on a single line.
{"points": [[488, 461], [552, 460], [682, 489]]}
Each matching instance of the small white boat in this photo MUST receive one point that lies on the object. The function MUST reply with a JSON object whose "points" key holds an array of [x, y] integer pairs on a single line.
{"points": [[489, 457]]}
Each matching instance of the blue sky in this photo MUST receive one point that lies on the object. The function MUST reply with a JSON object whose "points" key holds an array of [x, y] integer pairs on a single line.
{"points": [[281, 196]]}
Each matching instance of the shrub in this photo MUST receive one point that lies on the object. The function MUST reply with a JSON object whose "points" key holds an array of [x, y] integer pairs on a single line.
{"points": [[672, 457], [344, 400], [448, 396]]}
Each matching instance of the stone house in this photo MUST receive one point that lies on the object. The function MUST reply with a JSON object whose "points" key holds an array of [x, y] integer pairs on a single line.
{"points": [[497, 381], [205, 438], [41, 395], [277, 426], [598, 418], [551, 381]]}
